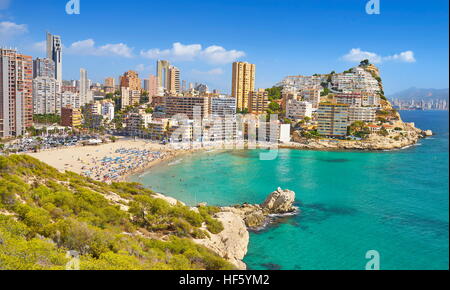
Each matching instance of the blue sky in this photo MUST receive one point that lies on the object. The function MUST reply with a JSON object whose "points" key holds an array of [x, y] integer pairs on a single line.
{"points": [[408, 40]]}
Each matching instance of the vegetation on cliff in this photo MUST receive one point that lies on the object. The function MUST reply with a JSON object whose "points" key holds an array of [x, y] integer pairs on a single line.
{"points": [[45, 213]]}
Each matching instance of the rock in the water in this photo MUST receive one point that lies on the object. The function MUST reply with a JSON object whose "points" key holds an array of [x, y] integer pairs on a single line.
{"points": [[279, 202], [428, 133]]}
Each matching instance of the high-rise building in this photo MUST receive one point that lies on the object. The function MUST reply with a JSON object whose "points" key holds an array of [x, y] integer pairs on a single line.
{"points": [[258, 102], [54, 52], [146, 84], [153, 86], [16, 99], [333, 119], [173, 80], [131, 80], [46, 96], [129, 97], [43, 67], [243, 82], [85, 91], [162, 70]]}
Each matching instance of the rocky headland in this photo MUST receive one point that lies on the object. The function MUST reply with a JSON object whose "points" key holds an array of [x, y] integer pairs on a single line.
{"points": [[232, 242]]}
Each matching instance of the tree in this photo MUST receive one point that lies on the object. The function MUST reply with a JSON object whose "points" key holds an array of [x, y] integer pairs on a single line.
{"points": [[274, 93], [364, 62]]}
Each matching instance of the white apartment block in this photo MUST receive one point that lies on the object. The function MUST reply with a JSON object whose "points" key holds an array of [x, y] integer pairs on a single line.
{"points": [[72, 99], [312, 95], [365, 114], [298, 110], [46, 96], [223, 106]]}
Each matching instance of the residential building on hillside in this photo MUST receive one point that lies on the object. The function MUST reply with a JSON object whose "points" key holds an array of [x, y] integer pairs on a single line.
{"points": [[298, 110], [333, 119], [258, 102], [365, 114]]}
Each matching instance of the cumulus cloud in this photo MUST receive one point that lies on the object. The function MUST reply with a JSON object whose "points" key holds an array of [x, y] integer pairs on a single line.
{"points": [[9, 29], [212, 54], [357, 55], [87, 47]]}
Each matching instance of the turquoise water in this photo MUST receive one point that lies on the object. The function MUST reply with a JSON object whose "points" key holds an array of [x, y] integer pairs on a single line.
{"points": [[352, 202]]}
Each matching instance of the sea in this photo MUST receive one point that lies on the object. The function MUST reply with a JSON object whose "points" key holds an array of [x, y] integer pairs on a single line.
{"points": [[352, 204]]}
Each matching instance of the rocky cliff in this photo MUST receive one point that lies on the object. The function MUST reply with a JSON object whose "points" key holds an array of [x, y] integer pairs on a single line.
{"points": [[232, 242]]}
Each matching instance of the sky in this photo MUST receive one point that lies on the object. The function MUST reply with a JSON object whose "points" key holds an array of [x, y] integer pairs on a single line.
{"points": [[407, 40]]}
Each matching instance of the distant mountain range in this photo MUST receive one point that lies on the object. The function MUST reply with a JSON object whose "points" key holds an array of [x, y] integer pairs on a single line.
{"points": [[420, 94]]}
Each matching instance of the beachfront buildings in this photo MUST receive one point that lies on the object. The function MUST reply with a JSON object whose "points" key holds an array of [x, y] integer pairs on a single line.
{"points": [[258, 102], [298, 110], [186, 105], [46, 96], [243, 83], [129, 97], [16, 86], [84, 89], [54, 52], [333, 119], [71, 117], [222, 106]]}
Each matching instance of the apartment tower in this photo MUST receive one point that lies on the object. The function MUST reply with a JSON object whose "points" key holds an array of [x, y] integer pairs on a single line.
{"points": [[243, 82], [54, 52], [16, 99]]}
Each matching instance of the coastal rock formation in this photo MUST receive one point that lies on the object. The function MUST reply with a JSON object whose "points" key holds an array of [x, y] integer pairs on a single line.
{"points": [[256, 216], [407, 136], [232, 242], [279, 201]]}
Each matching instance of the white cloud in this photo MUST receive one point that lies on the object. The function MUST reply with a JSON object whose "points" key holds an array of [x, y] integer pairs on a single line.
{"points": [[357, 55], [212, 54], [9, 29], [406, 56], [87, 47], [219, 55]]}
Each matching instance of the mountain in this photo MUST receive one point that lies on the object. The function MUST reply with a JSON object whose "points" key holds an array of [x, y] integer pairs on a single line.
{"points": [[414, 93]]}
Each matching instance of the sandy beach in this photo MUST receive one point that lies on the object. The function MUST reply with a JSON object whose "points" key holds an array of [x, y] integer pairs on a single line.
{"points": [[108, 162]]}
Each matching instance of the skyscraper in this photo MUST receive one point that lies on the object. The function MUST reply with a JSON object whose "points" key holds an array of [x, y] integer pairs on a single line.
{"points": [[85, 92], [173, 80], [153, 86], [243, 82], [162, 70], [46, 96], [16, 100], [54, 52], [43, 67]]}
